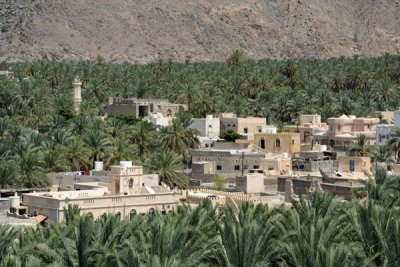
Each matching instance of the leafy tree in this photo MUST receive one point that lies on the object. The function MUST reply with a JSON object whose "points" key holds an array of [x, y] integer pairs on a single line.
{"points": [[230, 136]]}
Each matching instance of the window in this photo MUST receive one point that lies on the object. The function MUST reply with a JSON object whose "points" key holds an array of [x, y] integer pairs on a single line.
{"points": [[292, 141], [278, 142], [237, 168], [331, 128], [132, 214], [229, 125], [245, 130], [219, 167], [209, 126], [256, 167], [352, 163], [380, 138], [338, 128], [233, 125], [259, 130]]}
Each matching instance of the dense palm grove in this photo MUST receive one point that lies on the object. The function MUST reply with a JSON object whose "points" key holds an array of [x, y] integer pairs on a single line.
{"points": [[319, 231], [40, 132]]}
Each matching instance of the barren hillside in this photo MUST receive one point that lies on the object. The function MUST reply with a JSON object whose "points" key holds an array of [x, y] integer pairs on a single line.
{"points": [[146, 30]]}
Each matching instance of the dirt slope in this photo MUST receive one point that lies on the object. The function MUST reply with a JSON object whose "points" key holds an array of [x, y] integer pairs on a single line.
{"points": [[146, 30]]}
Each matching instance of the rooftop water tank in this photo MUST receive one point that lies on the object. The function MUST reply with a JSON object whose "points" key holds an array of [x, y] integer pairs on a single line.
{"points": [[98, 165], [14, 201], [125, 164]]}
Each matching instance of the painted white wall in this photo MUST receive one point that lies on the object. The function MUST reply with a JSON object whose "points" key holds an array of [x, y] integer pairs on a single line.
{"points": [[383, 133]]}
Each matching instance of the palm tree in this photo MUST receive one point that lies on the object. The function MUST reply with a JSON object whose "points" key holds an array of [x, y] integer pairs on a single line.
{"points": [[77, 155], [249, 237], [377, 229], [382, 154], [168, 166], [28, 160], [97, 143], [7, 174], [394, 144], [315, 234], [360, 148], [120, 150], [143, 135], [178, 137], [236, 57], [8, 235]]}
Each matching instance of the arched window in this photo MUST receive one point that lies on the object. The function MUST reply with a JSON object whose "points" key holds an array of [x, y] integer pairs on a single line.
{"points": [[89, 214], [152, 211], [132, 214], [169, 113], [118, 214], [278, 142]]}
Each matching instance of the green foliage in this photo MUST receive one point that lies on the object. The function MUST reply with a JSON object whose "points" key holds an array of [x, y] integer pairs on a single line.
{"points": [[319, 231], [40, 131], [230, 136], [219, 181]]}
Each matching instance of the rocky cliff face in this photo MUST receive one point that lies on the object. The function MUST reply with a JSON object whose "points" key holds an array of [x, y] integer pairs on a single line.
{"points": [[142, 30]]}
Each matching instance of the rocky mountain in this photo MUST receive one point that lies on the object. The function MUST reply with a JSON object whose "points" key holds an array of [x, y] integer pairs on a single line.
{"points": [[146, 30]]}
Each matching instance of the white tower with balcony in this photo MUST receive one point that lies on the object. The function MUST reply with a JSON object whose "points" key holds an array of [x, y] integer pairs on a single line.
{"points": [[77, 84]]}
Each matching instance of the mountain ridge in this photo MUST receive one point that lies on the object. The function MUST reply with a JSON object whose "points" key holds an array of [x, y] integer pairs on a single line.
{"points": [[143, 31]]}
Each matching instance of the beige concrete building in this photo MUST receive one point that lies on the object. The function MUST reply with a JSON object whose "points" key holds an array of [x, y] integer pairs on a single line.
{"points": [[308, 125], [354, 164], [276, 165], [250, 183], [126, 194], [143, 107], [244, 126], [226, 161], [344, 131], [278, 142], [385, 116]]}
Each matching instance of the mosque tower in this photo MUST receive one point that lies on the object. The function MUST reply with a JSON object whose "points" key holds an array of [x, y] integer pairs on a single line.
{"points": [[77, 93]]}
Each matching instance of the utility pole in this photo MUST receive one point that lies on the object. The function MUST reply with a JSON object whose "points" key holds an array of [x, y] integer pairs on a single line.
{"points": [[242, 162]]}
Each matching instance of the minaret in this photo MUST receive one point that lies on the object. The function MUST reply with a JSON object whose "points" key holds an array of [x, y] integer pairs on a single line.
{"points": [[77, 93]]}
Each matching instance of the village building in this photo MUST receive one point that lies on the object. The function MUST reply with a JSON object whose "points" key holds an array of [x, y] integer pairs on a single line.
{"points": [[308, 125], [246, 127], [140, 108], [278, 143], [383, 133], [344, 131], [126, 194], [313, 161], [354, 164], [207, 127], [227, 162]]}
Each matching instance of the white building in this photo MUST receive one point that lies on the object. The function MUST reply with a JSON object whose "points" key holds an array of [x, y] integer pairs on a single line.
{"points": [[207, 127], [158, 119], [396, 118], [383, 133]]}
